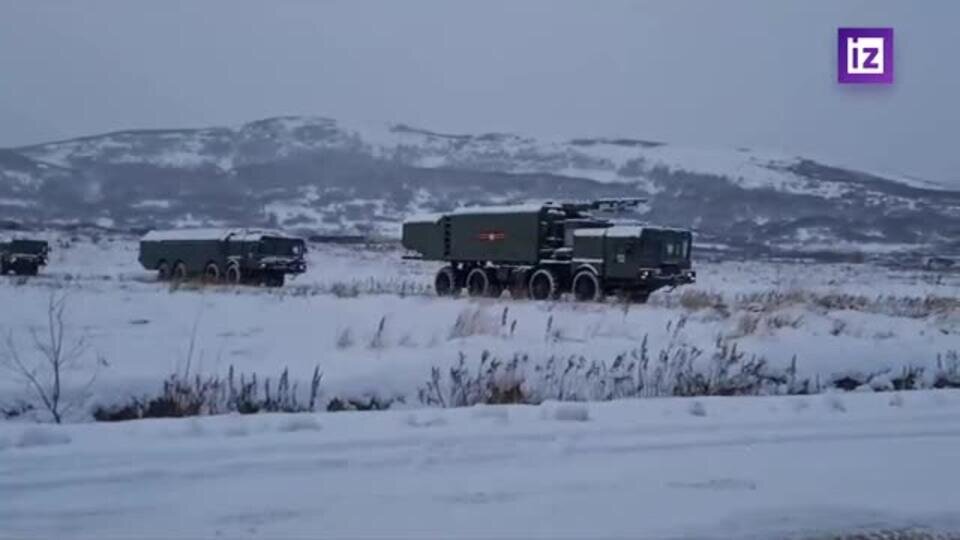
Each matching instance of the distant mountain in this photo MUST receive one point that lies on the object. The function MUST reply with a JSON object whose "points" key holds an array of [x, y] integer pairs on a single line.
{"points": [[318, 175]]}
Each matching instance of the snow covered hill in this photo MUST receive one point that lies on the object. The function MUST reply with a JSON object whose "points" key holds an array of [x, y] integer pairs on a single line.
{"points": [[318, 174]]}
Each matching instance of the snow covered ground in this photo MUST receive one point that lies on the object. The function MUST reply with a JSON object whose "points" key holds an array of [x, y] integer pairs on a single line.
{"points": [[769, 467], [368, 320], [732, 467]]}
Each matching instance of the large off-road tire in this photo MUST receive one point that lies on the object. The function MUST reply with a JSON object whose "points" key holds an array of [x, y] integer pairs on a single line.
{"points": [[544, 285], [163, 271], [586, 286], [179, 271], [478, 282], [483, 282], [233, 274], [211, 273], [445, 283]]}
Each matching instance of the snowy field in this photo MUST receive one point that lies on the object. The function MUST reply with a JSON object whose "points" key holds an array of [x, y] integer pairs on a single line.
{"points": [[370, 323], [877, 465], [797, 466]]}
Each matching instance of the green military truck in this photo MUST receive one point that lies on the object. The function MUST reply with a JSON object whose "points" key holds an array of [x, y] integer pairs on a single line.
{"points": [[217, 255], [23, 257], [543, 251]]}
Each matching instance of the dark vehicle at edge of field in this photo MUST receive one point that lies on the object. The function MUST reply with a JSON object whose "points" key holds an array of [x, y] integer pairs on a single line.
{"points": [[238, 256], [23, 257], [543, 251]]}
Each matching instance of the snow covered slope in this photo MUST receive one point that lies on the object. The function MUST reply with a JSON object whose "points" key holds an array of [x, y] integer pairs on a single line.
{"points": [[318, 174], [799, 467]]}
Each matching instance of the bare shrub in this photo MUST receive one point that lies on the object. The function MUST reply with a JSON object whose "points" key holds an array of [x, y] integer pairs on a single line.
{"points": [[694, 300], [493, 382], [476, 321], [345, 290], [374, 286], [838, 327], [183, 396], [48, 368], [676, 370], [910, 378], [345, 339], [747, 325], [378, 341], [781, 321], [948, 370], [697, 408], [366, 403]]}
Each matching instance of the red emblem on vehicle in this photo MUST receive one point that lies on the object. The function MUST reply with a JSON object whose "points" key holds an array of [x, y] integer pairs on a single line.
{"points": [[491, 236]]}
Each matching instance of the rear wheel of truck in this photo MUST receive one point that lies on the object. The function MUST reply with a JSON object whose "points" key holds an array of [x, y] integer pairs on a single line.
{"points": [[163, 271], [483, 282], [544, 285], [233, 275], [446, 282], [211, 273], [586, 286], [179, 271], [478, 282]]}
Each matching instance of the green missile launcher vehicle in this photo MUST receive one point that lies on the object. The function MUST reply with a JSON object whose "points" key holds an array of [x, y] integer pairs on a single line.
{"points": [[218, 255], [543, 251]]}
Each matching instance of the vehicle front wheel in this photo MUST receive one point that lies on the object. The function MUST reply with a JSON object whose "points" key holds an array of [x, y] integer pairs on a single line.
{"points": [[274, 279], [586, 286]]}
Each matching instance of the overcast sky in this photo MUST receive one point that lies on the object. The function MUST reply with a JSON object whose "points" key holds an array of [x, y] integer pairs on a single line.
{"points": [[759, 73]]}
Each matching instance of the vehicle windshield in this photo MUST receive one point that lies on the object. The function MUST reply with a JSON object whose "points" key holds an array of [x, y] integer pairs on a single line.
{"points": [[676, 246], [283, 247], [670, 244]]}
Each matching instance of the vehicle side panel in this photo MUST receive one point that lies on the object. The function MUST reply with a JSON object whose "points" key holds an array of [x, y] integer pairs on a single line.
{"points": [[194, 253], [513, 237]]}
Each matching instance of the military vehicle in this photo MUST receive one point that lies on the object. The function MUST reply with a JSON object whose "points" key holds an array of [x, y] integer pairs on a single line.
{"points": [[217, 255], [543, 251], [23, 257]]}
